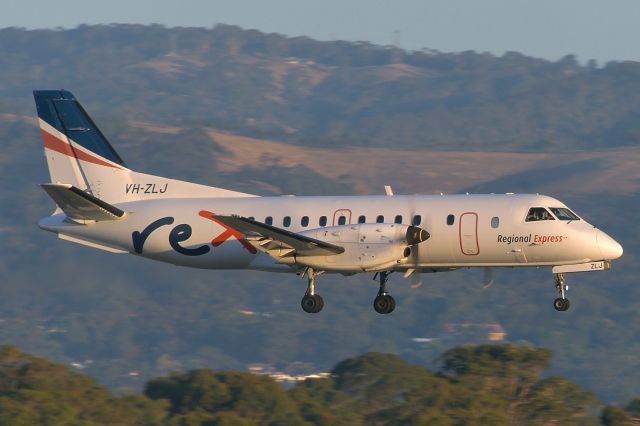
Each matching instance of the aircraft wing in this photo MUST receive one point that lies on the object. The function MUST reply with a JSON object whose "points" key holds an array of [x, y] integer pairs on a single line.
{"points": [[278, 242]]}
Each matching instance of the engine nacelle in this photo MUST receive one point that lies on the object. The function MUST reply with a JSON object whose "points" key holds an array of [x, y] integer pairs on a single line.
{"points": [[368, 246]]}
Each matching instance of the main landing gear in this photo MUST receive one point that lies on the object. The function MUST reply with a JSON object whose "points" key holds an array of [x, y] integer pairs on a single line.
{"points": [[311, 302], [383, 303], [561, 303]]}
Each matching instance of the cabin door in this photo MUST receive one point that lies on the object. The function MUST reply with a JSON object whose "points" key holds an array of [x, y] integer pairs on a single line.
{"points": [[342, 217], [469, 234]]}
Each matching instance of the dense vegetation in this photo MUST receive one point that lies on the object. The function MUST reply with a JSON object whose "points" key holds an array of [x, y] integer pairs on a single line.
{"points": [[125, 320], [481, 385]]}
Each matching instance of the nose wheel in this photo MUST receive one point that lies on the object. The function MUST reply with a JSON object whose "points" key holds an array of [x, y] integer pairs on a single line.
{"points": [[311, 302], [384, 303], [561, 303]]}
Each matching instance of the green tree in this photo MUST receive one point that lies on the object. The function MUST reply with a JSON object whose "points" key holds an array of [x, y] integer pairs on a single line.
{"points": [[508, 369], [615, 416], [202, 395], [36, 391]]}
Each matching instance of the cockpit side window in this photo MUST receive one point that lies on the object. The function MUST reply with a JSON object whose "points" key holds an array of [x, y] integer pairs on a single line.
{"points": [[564, 213], [538, 213]]}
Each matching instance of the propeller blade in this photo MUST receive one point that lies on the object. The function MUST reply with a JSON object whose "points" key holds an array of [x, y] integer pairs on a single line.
{"points": [[417, 280], [488, 277]]}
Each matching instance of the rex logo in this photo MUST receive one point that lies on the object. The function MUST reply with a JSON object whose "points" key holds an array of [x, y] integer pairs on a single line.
{"points": [[183, 232]]}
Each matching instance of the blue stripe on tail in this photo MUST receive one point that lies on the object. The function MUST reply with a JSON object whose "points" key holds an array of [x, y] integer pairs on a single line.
{"points": [[61, 110]]}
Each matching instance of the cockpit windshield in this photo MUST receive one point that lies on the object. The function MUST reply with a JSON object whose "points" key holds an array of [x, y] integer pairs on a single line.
{"points": [[538, 213], [564, 213]]}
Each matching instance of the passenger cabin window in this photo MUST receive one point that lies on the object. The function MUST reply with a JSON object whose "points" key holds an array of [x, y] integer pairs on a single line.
{"points": [[323, 221], [451, 219], [362, 219], [417, 220], [495, 222], [398, 219], [304, 221], [268, 220], [342, 220], [286, 222], [537, 214], [564, 213], [380, 219]]}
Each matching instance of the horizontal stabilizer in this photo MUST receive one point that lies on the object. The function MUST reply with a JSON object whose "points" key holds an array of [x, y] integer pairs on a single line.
{"points": [[79, 205], [272, 240]]}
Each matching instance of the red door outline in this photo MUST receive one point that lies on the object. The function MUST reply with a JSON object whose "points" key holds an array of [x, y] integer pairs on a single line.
{"points": [[342, 212], [469, 236]]}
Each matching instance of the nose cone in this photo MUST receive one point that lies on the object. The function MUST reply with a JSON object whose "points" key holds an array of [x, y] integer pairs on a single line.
{"points": [[609, 248]]}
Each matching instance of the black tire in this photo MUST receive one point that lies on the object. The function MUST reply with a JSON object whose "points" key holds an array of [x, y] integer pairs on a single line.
{"points": [[308, 304], [380, 304], [384, 304], [557, 304], [319, 303], [561, 304], [392, 304], [312, 304]]}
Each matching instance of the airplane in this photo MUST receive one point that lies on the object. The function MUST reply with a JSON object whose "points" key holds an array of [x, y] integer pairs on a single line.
{"points": [[103, 204]]}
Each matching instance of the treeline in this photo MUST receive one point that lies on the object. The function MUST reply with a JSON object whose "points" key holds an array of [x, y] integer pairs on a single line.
{"points": [[478, 385], [326, 93]]}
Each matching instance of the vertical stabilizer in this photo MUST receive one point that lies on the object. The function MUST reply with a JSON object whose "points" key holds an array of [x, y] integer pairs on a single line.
{"points": [[72, 141]]}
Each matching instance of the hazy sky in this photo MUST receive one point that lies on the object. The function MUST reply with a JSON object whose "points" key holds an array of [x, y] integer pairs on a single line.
{"points": [[602, 30]]}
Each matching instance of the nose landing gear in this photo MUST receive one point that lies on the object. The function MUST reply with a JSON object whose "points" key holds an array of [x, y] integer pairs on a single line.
{"points": [[384, 303], [311, 302], [561, 303]]}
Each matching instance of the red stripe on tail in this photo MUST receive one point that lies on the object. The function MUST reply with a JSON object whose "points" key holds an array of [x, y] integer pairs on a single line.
{"points": [[53, 143]]}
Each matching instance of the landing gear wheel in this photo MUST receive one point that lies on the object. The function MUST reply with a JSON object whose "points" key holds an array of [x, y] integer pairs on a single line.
{"points": [[320, 303], [312, 303], [384, 304], [561, 304]]}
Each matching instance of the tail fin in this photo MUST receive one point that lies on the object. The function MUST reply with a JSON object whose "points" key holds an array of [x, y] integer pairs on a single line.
{"points": [[69, 135], [79, 155]]}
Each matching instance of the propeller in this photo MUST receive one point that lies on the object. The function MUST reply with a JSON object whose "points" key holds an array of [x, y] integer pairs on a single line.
{"points": [[420, 235], [417, 278], [488, 277], [415, 236]]}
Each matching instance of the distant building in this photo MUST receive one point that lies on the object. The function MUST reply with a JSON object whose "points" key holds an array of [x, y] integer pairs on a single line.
{"points": [[492, 332], [283, 377], [497, 333]]}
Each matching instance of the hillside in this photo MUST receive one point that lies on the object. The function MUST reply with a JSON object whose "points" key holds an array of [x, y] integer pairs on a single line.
{"points": [[612, 171], [273, 115], [327, 94]]}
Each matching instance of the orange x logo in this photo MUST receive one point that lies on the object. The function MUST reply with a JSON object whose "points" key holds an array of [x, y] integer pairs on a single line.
{"points": [[228, 233]]}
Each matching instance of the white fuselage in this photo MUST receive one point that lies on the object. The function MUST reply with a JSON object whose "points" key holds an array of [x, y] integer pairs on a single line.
{"points": [[465, 230], [104, 204]]}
